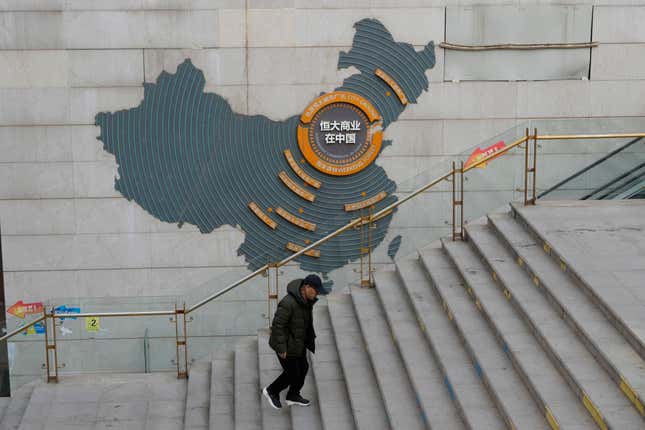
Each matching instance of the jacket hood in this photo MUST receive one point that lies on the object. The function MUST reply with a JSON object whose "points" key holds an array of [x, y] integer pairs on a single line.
{"points": [[293, 288]]}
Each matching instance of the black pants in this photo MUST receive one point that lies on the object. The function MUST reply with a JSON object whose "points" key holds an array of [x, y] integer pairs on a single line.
{"points": [[293, 376]]}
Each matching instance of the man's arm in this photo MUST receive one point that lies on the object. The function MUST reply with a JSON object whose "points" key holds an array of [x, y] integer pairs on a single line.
{"points": [[279, 328]]}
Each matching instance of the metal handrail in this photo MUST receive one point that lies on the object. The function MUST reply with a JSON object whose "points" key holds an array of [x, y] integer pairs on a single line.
{"points": [[22, 328], [354, 223], [589, 167], [330, 236]]}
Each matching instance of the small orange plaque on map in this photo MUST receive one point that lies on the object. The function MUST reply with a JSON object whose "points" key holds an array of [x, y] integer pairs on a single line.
{"points": [[295, 248], [392, 84], [295, 220], [365, 203], [295, 188], [298, 170], [264, 217]]}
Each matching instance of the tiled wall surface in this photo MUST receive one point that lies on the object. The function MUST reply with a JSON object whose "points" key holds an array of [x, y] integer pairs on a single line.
{"points": [[67, 232]]}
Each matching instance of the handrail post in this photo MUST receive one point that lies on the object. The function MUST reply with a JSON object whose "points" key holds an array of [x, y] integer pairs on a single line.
{"points": [[526, 164], [181, 339], [457, 232], [50, 346], [272, 290], [366, 227], [535, 139], [530, 170]]}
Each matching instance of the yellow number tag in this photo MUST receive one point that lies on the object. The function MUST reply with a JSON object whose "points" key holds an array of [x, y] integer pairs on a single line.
{"points": [[92, 324]]}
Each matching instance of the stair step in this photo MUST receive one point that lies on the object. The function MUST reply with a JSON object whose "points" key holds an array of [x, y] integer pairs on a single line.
{"points": [[420, 364], [269, 368], [4, 403], [307, 418], [541, 376], [459, 376], [506, 387], [366, 401], [301, 417], [393, 381], [222, 403], [591, 273], [198, 397], [588, 378], [17, 406], [602, 338], [248, 415], [335, 408]]}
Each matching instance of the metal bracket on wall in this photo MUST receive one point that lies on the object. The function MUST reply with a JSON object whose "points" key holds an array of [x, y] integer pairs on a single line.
{"points": [[366, 226], [51, 353], [181, 337], [530, 167], [457, 181]]}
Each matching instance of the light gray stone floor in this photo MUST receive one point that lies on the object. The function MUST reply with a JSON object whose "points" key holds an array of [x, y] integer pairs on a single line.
{"points": [[100, 402], [604, 241]]}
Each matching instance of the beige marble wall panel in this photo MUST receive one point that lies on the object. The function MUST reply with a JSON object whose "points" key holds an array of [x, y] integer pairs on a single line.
{"points": [[95, 179], [464, 135], [280, 102], [414, 138], [57, 5], [35, 144], [34, 69], [34, 106], [554, 99], [466, 100], [37, 216], [221, 66], [86, 146], [311, 27], [105, 68], [118, 29], [235, 95], [196, 249], [85, 103], [613, 62], [619, 24], [118, 215], [36, 180], [617, 98]]}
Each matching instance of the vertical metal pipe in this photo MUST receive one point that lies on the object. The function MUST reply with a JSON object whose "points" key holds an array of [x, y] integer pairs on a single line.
{"points": [[185, 342], [177, 340], [535, 139], [54, 346], [370, 226], [46, 343], [454, 230], [526, 165], [5, 389], [461, 199]]}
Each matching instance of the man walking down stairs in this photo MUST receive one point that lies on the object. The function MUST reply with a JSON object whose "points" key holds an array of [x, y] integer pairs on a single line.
{"points": [[292, 334]]}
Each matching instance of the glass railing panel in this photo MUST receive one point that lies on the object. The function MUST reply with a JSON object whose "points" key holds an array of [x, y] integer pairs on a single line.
{"points": [[222, 321], [576, 173], [26, 353], [114, 344], [493, 186]]}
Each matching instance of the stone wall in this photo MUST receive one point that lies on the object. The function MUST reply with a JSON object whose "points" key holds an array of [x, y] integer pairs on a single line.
{"points": [[68, 233]]}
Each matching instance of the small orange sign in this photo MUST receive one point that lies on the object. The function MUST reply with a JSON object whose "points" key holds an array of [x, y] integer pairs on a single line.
{"points": [[20, 309], [479, 154]]}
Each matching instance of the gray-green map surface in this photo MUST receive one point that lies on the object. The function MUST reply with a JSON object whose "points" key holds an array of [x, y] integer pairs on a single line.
{"points": [[185, 156]]}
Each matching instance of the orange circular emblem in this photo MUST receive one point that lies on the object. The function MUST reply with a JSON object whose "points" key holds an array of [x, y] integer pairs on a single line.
{"points": [[340, 133]]}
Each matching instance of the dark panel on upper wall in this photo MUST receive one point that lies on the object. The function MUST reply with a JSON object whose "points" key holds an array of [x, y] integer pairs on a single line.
{"points": [[490, 25]]}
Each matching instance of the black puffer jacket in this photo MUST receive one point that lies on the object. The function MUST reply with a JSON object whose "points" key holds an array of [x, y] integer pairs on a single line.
{"points": [[293, 329]]}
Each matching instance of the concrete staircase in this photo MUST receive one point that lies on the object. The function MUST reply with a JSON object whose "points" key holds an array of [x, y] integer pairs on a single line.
{"points": [[506, 329]]}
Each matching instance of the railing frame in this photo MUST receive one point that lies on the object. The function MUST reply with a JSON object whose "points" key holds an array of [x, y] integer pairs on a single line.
{"points": [[455, 176]]}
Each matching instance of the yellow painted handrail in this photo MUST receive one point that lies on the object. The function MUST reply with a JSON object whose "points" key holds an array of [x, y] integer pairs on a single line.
{"points": [[351, 224]]}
